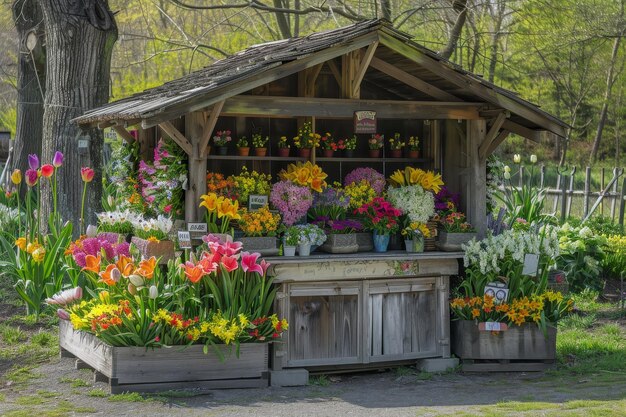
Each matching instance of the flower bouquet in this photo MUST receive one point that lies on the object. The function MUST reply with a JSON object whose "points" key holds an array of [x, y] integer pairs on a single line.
{"points": [[381, 217], [291, 200], [305, 174], [374, 179]]}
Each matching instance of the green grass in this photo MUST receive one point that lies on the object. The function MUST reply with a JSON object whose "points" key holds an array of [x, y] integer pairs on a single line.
{"points": [[74, 382], [320, 381], [12, 335], [132, 397], [99, 393]]}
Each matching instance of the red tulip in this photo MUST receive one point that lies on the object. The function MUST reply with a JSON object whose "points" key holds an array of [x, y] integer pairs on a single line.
{"points": [[47, 170], [87, 174]]}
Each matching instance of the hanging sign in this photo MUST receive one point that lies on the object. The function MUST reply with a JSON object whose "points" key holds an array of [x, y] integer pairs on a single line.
{"points": [[184, 239], [365, 121]]}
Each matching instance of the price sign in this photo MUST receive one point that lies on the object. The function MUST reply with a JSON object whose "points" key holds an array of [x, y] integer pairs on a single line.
{"points": [[184, 239]]}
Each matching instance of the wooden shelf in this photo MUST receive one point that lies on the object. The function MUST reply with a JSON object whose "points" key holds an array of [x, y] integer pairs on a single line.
{"points": [[372, 160], [317, 159], [255, 158]]}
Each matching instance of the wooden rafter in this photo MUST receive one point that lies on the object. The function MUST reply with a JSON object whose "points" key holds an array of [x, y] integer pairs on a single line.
{"points": [[203, 146], [523, 131], [492, 134], [125, 134], [412, 81], [360, 72], [335, 71], [176, 136], [497, 141]]}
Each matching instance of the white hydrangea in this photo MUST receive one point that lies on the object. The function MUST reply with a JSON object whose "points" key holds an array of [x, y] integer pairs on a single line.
{"points": [[413, 201]]}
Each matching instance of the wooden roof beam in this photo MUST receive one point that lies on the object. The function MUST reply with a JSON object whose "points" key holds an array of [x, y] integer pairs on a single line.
{"points": [[497, 141], [360, 72], [492, 134], [335, 71], [523, 131], [211, 121], [125, 134], [412, 81], [176, 136]]}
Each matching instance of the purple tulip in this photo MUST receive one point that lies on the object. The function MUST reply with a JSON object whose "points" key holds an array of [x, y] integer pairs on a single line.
{"points": [[33, 161], [57, 161]]}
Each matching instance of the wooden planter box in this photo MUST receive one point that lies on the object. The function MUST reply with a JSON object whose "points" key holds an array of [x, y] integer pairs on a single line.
{"points": [[265, 245], [163, 249], [340, 243], [364, 241], [145, 370], [519, 348], [452, 241]]}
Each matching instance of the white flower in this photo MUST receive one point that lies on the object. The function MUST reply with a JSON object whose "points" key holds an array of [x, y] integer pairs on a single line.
{"points": [[585, 232], [153, 292], [412, 200], [517, 158], [507, 168], [533, 159], [507, 175]]}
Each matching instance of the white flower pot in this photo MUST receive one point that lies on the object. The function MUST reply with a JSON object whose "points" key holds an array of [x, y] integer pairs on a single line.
{"points": [[304, 249], [289, 250]]}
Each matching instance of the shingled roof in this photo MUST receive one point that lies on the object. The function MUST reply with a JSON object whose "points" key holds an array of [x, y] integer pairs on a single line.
{"points": [[204, 87]]}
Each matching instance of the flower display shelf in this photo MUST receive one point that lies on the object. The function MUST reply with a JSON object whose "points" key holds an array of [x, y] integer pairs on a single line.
{"points": [[452, 242], [138, 369], [518, 349], [163, 250], [265, 245], [340, 243], [430, 242]]}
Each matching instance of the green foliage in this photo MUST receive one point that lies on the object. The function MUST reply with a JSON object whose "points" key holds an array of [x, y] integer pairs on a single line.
{"points": [[581, 257]]}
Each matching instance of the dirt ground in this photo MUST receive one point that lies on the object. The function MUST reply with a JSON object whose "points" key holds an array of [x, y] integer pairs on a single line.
{"points": [[54, 391]]}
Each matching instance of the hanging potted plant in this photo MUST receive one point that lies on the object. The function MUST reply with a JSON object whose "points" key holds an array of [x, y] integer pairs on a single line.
{"points": [[243, 147], [395, 146], [260, 144], [375, 144], [283, 147]]}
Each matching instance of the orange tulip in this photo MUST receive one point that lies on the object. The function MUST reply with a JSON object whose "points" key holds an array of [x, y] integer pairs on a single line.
{"points": [[111, 275], [194, 273], [125, 265], [146, 268], [92, 263]]}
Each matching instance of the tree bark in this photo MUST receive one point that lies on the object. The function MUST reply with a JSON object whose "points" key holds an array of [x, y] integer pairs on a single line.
{"points": [[28, 18], [80, 39], [455, 33]]}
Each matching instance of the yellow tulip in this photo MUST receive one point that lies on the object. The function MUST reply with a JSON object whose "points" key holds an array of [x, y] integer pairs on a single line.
{"points": [[16, 177], [20, 242]]}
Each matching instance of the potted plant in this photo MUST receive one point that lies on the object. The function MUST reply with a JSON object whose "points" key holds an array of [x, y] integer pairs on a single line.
{"points": [[309, 235], [362, 185], [376, 143], [150, 237], [414, 235], [328, 145], [454, 231], [247, 183], [306, 140], [243, 146], [291, 200], [413, 147], [395, 146], [380, 216], [341, 235], [283, 146], [260, 144], [348, 145], [117, 222], [290, 241], [221, 139], [259, 230], [220, 212]]}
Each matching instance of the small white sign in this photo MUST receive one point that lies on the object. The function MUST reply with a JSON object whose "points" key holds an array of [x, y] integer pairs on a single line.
{"points": [[257, 201], [531, 261], [184, 239], [498, 291], [492, 326], [197, 227]]}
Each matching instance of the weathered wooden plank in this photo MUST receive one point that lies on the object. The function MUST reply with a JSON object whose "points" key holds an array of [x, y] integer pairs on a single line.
{"points": [[392, 324], [415, 320], [406, 304], [362, 68], [523, 131], [88, 348], [507, 367], [427, 327], [497, 141], [412, 81], [202, 385], [376, 307], [124, 134], [176, 136], [335, 71], [203, 147], [332, 108], [492, 134]]}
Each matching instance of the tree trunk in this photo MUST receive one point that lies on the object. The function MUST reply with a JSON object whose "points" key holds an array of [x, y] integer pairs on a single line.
{"points": [[80, 38], [27, 17], [282, 20], [385, 8], [455, 33], [610, 80]]}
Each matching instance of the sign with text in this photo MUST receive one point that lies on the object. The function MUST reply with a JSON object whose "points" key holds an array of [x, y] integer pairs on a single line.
{"points": [[365, 121], [197, 230], [257, 201], [184, 239], [498, 291]]}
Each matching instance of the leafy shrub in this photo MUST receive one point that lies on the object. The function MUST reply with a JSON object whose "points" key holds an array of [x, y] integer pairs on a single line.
{"points": [[582, 254]]}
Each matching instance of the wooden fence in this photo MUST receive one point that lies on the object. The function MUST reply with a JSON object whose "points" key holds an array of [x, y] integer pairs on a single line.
{"points": [[565, 198]]}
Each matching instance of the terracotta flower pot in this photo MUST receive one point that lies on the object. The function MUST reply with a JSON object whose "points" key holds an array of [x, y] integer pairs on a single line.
{"points": [[260, 151], [328, 153], [374, 153], [395, 153], [413, 154], [304, 152], [283, 152], [243, 151]]}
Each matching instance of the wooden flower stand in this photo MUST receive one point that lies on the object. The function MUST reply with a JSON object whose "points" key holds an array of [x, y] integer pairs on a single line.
{"points": [[162, 250], [517, 349], [139, 369]]}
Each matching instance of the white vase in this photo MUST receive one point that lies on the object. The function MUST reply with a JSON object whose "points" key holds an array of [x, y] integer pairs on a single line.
{"points": [[304, 249], [289, 250]]}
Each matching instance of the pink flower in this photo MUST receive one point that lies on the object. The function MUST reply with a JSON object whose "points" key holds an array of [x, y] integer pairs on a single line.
{"points": [[65, 297], [229, 263], [264, 266], [63, 315], [87, 174], [47, 170], [248, 262], [31, 177], [168, 209], [57, 161]]}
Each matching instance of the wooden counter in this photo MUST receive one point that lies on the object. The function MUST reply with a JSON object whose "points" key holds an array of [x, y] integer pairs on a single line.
{"points": [[361, 309]]}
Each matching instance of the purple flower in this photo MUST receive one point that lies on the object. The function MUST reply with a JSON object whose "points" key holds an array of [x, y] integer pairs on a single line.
{"points": [[291, 200], [122, 249], [373, 177], [33, 162], [57, 161]]}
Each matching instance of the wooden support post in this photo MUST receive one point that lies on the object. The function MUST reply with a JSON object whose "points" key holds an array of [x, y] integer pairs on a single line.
{"points": [[349, 66], [563, 199], [616, 172], [622, 204], [362, 68], [195, 125], [602, 188], [556, 195], [492, 134], [571, 191], [587, 190], [477, 171]]}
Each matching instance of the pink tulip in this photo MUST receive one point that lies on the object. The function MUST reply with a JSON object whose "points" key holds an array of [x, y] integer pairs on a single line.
{"points": [[229, 263], [66, 297], [57, 161], [87, 174], [264, 265], [248, 262], [63, 315], [33, 162], [31, 177]]}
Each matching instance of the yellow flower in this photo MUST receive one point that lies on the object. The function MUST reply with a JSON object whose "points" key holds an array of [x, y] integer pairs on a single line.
{"points": [[38, 254], [16, 177], [20, 242], [209, 201]]}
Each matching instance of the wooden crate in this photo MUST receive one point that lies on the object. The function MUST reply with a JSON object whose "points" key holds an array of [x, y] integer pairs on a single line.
{"points": [[520, 348], [145, 370]]}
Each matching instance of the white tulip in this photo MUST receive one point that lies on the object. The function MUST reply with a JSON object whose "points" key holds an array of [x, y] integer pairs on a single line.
{"points": [[507, 168], [92, 231], [517, 158], [507, 175], [533, 159], [153, 292]]}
